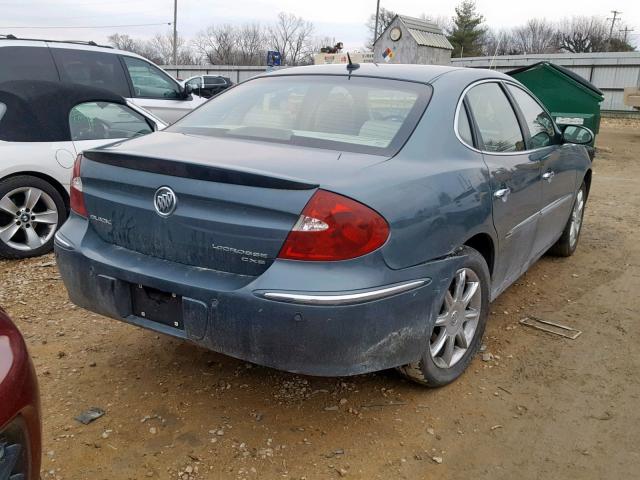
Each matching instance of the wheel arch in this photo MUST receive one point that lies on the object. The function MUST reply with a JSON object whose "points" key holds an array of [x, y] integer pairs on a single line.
{"points": [[47, 178], [483, 243]]}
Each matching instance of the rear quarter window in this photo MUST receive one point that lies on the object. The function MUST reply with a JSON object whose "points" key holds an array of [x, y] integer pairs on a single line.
{"points": [[3, 110], [27, 63], [95, 69]]}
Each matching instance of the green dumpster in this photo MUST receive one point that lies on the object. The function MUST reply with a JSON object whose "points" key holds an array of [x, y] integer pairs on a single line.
{"points": [[571, 99]]}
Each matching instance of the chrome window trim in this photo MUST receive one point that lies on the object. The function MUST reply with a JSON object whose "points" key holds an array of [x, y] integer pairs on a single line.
{"points": [[343, 298], [460, 105]]}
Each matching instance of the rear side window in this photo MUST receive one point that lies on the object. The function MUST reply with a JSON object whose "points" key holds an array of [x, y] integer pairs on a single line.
{"points": [[95, 69], [3, 110], [27, 63], [539, 123], [357, 114], [496, 120], [149, 81], [105, 120], [214, 81]]}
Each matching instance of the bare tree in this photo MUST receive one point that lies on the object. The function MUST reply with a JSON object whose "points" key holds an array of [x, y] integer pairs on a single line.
{"points": [[442, 21], [583, 35], [385, 18], [499, 42], [160, 50], [125, 42], [251, 45], [535, 36], [218, 44], [291, 36]]}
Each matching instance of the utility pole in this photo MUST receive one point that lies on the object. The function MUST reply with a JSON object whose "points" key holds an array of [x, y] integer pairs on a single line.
{"points": [[175, 32], [613, 22], [375, 31], [626, 31]]}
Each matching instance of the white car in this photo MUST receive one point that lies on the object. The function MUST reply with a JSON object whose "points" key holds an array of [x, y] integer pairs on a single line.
{"points": [[123, 73], [43, 126]]}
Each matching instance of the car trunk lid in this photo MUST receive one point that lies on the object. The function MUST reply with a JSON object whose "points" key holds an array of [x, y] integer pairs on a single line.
{"points": [[236, 200], [230, 227]]}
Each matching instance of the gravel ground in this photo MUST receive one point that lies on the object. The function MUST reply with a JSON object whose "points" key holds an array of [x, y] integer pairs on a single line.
{"points": [[533, 406]]}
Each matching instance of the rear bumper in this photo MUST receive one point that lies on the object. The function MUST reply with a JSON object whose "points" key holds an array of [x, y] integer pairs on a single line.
{"points": [[346, 332]]}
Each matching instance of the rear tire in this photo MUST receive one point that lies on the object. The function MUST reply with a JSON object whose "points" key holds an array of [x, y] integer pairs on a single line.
{"points": [[457, 325], [31, 211], [568, 241]]}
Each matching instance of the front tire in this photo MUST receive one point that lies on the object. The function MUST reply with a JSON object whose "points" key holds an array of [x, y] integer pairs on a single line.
{"points": [[31, 211], [568, 241], [457, 325]]}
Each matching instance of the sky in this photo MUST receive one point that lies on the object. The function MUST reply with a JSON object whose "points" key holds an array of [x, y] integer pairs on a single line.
{"points": [[340, 19]]}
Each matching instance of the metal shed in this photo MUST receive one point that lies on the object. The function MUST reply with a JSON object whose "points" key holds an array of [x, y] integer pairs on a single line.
{"points": [[412, 40]]}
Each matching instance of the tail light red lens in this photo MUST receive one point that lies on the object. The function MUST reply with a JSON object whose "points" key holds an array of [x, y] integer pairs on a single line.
{"points": [[332, 227], [77, 197]]}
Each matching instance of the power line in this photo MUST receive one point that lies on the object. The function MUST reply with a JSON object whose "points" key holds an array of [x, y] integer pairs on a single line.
{"points": [[626, 31], [86, 26]]}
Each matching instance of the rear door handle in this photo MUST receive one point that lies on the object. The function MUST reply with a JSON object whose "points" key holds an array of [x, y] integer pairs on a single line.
{"points": [[502, 194], [548, 176]]}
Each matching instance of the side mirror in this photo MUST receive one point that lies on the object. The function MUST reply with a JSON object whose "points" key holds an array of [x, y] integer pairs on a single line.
{"points": [[577, 135], [188, 89]]}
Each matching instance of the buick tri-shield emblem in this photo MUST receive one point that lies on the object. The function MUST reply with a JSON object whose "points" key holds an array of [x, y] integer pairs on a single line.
{"points": [[165, 201]]}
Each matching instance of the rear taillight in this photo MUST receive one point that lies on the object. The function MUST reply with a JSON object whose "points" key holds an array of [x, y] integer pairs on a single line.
{"points": [[77, 197], [333, 227]]}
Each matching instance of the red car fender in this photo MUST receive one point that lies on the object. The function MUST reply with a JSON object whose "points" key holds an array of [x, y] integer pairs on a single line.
{"points": [[19, 396]]}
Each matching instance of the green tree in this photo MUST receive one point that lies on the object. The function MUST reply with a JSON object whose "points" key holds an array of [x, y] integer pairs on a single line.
{"points": [[466, 34], [619, 45]]}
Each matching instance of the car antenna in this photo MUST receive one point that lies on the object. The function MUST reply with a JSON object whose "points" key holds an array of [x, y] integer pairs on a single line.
{"points": [[352, 66]]}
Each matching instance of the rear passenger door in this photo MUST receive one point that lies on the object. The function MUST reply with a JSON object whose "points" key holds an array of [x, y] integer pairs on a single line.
{"points": [[515, 178], [558, 170]]}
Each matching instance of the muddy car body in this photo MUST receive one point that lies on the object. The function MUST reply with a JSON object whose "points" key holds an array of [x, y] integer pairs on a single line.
{"points": [[329, 221]]}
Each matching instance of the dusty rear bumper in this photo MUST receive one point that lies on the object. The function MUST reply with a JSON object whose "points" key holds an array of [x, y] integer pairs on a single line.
{"points": [[234, 316]]}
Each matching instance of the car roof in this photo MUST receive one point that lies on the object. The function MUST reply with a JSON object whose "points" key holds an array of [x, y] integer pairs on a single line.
{"points": [[70, 44], [38, 111], [411, 72]]}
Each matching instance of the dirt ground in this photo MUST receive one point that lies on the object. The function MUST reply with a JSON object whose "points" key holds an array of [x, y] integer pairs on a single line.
{"points": [[541, 407]]}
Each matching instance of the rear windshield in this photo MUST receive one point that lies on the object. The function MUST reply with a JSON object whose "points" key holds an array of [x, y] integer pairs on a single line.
{"points": [[356, 114]]}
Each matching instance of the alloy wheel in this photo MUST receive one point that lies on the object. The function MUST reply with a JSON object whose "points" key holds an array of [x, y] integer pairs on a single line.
{"points": [[576, 218], [28, 218], [457, 322]]}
